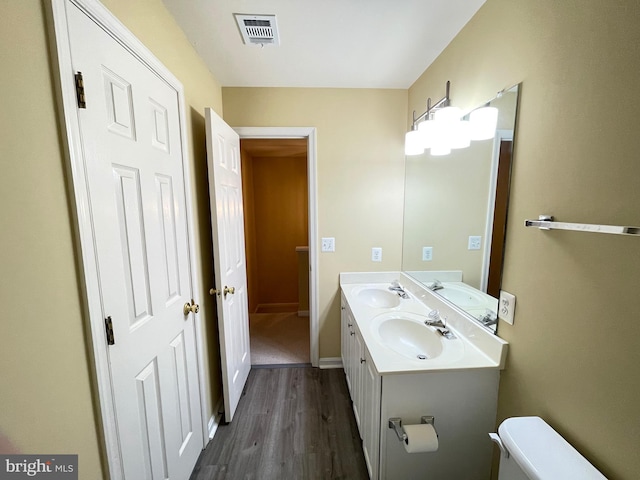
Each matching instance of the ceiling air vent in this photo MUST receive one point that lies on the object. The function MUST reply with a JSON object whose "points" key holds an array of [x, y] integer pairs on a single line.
{"points": [[258, 29]]}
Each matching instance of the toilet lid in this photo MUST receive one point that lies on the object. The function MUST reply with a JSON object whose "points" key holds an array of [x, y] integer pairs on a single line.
{"points": [[542, 453]]}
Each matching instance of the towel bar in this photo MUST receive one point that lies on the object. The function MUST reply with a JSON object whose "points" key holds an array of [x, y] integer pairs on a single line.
{"points": [[546, 222]]}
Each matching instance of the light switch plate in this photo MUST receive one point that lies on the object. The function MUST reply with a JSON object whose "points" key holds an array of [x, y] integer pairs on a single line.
{"points": [[475, 242], [506, 306], [328, 244], [427, 254], [376, 254]]}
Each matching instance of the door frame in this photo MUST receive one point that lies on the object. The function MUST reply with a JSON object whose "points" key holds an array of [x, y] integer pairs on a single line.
{"points": [[491, 204], [312, 186], [78, 191]]}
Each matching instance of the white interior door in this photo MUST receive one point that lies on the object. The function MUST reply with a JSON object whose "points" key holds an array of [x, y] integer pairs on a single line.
{"points": [[227, 220], [133, 159]]}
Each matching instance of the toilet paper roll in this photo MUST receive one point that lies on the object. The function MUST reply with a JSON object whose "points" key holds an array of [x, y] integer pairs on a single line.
{"points": [[420, 438]]}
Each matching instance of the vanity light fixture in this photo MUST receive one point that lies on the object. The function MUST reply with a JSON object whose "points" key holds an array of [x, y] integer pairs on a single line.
{"points": [[442, 128], [429, 132], [413, 142], [453, 130], [483, 122]]}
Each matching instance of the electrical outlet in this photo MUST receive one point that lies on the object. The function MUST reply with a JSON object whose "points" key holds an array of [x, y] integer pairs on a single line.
{"points": [[376, 254], [328, 244], [427, 254], [475, 242], [506, 306]]}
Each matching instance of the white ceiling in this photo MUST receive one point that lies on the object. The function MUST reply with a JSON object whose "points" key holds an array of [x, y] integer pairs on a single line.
{"points": [[324, 43]]}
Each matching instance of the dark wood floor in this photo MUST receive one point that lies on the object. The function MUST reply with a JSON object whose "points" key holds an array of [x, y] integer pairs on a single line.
{"points": [[291, 423]]}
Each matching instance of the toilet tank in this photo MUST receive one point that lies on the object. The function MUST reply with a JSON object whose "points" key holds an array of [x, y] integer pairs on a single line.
{"points": [[537, 452]]}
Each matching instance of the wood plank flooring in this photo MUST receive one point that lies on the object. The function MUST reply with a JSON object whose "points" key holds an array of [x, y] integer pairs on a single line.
{"points": [[291, 423]]}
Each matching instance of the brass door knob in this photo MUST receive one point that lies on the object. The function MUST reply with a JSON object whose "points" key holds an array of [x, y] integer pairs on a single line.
{"points": [[214, 291], [189, 308], [230, 290]]}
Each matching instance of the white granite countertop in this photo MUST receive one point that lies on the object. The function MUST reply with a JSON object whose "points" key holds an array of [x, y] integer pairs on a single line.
{"points": [[474, 347]]}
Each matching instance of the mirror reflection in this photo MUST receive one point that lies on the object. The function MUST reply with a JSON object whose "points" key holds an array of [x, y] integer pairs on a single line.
{"points": [[455, 217]]}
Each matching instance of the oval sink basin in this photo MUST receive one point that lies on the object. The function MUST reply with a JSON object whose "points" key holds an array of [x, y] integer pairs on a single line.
{"points": [[378, 298], [410, 338], [462, 296]]}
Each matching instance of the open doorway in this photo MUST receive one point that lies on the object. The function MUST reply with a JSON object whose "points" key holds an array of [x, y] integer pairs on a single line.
{"points": [[275, 201]]}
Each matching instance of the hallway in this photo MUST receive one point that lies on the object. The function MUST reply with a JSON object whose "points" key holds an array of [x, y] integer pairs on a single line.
{"points": [[279, 338]]}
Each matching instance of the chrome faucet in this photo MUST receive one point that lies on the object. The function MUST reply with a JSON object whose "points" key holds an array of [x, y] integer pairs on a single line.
{"points": [[435, 320], [396, 287], [489, 318], [435, 285]]}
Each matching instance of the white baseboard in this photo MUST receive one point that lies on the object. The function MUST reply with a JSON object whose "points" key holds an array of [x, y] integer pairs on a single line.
{"points": [[330, 362], [214, 421], [276, 308]]}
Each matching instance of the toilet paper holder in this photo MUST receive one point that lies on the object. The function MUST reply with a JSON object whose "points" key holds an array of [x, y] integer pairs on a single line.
{"points": [[396, 424]]}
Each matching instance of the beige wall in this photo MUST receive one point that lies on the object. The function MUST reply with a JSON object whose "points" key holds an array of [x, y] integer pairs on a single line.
{"points": [[446, 200], [46, 394], [360, 176], [248, 202], [46, 388], [280, 224], [574, 356]]}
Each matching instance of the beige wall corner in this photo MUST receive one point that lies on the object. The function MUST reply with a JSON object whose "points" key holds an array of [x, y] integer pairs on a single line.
{"points": [[360, 176], [573, 357], [46, 393], [47, 396]]}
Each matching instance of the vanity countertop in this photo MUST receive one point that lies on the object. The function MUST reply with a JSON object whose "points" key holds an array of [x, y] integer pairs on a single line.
{"points": [[473, 348]]}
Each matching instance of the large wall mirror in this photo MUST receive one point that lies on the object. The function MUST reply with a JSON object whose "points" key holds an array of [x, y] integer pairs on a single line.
{"points": [[455, 217]]}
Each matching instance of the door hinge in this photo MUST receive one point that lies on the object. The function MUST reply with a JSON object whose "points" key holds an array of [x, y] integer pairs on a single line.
{"points": [[82, 102], [108, 325]]}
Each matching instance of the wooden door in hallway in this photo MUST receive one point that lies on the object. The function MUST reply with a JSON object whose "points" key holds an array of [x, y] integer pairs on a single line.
{"points": [[500, 218], [276, 224], [303, 136]]}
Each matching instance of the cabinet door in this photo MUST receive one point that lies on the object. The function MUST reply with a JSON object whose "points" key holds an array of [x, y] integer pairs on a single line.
{"points": [[371, 388], [346, 341], [357, 354]]}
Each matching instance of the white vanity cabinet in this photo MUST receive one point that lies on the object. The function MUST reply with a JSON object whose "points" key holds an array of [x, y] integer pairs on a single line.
{"points": [[364, 385], [462, 400], [347, 326], [371, 395], [463, 404], [351, 350]]}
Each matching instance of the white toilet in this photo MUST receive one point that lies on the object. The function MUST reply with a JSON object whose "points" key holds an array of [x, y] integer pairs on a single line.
{"points": [[532, 450]]}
